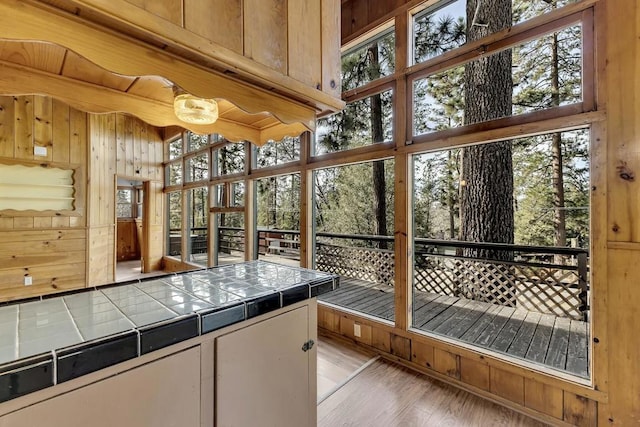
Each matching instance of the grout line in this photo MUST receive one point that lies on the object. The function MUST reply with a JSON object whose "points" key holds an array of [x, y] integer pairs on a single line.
{"points": [[73, 320], [17, 341], [349, 378]]}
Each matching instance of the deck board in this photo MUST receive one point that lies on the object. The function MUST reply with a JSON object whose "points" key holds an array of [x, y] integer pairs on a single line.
{"points": [[459, 324], [453, 310], [433, 309], [540, 343], [508, 333], [577, 352], [545, 339], [492, 330], [523, 338], [486, 319]]}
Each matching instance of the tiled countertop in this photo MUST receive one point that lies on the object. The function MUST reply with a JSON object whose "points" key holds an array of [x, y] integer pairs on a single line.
{"points": [[58, 338]]}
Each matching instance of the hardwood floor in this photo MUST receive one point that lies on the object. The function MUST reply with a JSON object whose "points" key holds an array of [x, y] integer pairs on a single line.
{"points": [[386, 394], [336, 363]]}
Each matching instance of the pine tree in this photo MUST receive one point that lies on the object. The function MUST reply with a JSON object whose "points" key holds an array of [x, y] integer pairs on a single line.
{"points": [[487, 172]]}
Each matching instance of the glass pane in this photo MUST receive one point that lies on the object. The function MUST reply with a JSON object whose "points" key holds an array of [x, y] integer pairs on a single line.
{"points": [[501, 237], [278, 206], [523, 10], [443, 26], [438, 29], [364, 122], [237, 194], [230, 229], [198, 199], [124, 210], [174, 216], [354, 235], [229, 194], [196, 141], [175, 148], [198, 167], [278, 152], [229, 159], [369, 62], [544, 73], [175, 173], [124, 195]]}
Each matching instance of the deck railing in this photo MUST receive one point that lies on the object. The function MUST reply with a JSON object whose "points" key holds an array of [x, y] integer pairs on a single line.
{"points": [[552, 280]]}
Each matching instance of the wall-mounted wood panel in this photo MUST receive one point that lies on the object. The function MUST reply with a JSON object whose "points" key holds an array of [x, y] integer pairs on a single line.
{"points": [[127, 147], [331, 63], [265, 33], [171, 10], [55, 260], [304, 41], [49, 247], [216, 20]]}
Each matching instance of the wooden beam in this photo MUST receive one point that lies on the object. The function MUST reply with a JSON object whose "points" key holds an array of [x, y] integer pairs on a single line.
{"points": [[19, 80], [25, 21]]}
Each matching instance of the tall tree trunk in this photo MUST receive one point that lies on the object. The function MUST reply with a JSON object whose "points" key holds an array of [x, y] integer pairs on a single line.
{"points": [[486, 204], [377, 135], [559, 219], [450, 196]]}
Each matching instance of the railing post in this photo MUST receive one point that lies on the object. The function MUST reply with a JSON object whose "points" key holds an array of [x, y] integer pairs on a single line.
{"points": [[583, 283]]}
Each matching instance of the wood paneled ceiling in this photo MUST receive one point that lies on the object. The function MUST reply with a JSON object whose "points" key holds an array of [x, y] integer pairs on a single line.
{"points": [[46, 69]]}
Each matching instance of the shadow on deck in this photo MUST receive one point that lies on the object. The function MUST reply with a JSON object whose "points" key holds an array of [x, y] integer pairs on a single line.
{"points": [[547, 340]]}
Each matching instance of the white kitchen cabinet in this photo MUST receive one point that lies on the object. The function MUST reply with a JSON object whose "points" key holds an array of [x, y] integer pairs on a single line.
{"points": [[264, 376], [163, 393]]}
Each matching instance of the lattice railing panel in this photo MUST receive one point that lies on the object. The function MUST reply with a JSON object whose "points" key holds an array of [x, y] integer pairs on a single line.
{"points": [[549, 289], [373, 265]]}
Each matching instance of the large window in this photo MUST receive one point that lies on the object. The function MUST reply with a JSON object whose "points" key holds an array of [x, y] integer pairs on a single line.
{"points": [[515, 282], [443, 25], [278, 152], [354, 220], [363, 122], [174, 222], [540, 74], [369, 61], [278, 219], [198, 220]]}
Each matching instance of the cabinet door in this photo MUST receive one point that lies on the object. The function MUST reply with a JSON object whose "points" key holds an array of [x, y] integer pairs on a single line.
{"points": [[164, 393], [262, 373]]}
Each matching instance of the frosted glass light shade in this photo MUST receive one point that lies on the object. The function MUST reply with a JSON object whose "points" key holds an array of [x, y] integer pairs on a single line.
{"points": [[191, 109]]}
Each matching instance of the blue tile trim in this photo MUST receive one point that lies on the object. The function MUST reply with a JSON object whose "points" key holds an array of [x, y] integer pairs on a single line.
{"points": [[219, 318], [26, 376], [294, 295], [321, 287], [263, 304], [85, 358], [155, 337]]}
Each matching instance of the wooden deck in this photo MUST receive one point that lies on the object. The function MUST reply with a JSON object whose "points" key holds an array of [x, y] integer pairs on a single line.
{"points": [[544, 339]]}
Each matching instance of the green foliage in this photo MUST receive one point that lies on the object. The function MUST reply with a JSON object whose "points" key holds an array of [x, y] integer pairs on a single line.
{"points": [[344, 198], [279, 202]]}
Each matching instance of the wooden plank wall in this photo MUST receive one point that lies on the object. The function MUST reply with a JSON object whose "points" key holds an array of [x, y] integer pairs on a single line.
{"points": [[132, 149], [618, 304], [49, 247]]}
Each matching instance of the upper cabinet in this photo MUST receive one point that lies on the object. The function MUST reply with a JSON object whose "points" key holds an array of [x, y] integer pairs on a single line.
{"points": [[290, 47]]}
